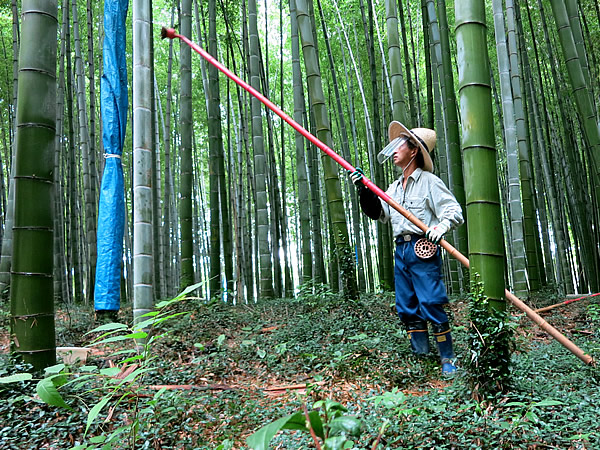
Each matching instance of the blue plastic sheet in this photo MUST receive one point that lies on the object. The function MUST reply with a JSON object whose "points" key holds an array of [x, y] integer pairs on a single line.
{"points": [[111, 208]]}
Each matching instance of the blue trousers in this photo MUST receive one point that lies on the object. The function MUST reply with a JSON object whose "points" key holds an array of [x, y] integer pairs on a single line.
{"points": [[420, 290]]}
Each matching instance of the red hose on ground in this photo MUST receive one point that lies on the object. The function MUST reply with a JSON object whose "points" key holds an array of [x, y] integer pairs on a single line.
{"points": [[171, 34]]}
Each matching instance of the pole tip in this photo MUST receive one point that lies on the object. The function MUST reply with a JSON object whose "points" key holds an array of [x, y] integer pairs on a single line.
{"points": [[167, 33]]}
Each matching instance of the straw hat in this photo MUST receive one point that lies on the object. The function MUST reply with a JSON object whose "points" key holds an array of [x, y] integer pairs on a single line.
{"points": [[424, 138]]}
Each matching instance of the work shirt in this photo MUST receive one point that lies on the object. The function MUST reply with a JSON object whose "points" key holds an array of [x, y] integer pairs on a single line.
{"points": [[427, 197]]}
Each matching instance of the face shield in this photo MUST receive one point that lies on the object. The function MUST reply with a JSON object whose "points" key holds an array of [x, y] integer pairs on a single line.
{"points": [[390, 149]]}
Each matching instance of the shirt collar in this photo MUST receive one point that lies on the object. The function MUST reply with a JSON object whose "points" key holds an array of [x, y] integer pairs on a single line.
{"points": [[415, 175]]}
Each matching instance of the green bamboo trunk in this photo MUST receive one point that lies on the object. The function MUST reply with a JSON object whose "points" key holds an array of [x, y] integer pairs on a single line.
{"points": [[572, 9], [517, 246], [524, 124], [356, 227], [5, 259], [579, 87], [486, 241], [412, 104], [89, 190], [215, 145], [32, 290], [399, 112], [143, 256], [448, 157], [185, 187], [333, 189], [429, 121], [303, 188], [266, 289], [452, 132], [168, 204]]}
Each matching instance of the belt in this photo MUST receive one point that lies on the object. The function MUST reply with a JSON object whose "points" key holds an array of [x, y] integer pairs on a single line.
{"points": [[407, 238]]}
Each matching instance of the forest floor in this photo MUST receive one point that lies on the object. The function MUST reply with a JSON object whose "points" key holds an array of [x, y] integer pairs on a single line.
{"points": [[215, 373]]}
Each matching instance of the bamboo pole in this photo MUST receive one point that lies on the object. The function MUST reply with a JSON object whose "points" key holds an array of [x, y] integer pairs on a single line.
{"points": [[571, 300], [171, 34]]}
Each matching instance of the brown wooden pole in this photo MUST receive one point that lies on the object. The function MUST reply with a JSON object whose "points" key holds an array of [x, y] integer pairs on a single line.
{"points": [[569, 345], [548, 308]]}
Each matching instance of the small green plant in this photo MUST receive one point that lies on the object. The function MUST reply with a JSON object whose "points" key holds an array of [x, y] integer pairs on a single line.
{"points": [[526, 414], [490, 343], [395, 401], [314, 294], [327, 423], [593, 313], [118, 386]]}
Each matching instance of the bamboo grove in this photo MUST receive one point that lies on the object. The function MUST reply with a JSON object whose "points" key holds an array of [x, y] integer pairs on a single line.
{"points": [[218, 190]]}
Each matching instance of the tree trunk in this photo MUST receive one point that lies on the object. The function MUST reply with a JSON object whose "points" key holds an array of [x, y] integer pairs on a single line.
{"points": [[185, 189], [260, 163], [143, 258], [344, 254], [517, 240], [32, 290], [486, 242]]}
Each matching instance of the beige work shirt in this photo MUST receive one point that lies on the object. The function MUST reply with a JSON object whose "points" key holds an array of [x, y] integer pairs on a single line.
{"points": [[427, 197]]}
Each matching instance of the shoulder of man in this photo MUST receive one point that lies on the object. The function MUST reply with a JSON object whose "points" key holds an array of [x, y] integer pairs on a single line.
{"points": [[393, 185], [431, 178]]}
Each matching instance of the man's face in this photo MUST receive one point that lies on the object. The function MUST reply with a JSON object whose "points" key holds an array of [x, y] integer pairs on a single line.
{"points": [[403, 155]]}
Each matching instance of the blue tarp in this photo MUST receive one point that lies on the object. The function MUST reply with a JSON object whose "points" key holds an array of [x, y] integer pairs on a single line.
{"points": [[111, 209]]}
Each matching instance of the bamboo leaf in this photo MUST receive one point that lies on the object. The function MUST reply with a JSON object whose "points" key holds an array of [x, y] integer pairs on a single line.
{"points": [[189, 289], [108, 327], [16, 378], [162, 319], [54, 369], [94, 413], [137, 335], [110, 371], [548, 403], [49, 394], [145, 324], [260, 439]]}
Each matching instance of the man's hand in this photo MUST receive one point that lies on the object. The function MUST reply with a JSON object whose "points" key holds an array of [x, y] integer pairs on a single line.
{"points": [[434, 234], [357, 176]]}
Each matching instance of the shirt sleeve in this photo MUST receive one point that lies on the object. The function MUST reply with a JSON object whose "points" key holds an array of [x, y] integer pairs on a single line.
{"points": [[444, 205]]}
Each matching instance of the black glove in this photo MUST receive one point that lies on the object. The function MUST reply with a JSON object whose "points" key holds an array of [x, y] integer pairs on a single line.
{"points": [[370, 203]]}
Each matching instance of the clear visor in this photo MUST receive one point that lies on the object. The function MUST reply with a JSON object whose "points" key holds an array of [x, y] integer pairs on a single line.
{"points": [[389, 149]]}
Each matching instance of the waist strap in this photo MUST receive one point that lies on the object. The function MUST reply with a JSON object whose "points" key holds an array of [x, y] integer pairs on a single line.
{"points": [[407, 238]]}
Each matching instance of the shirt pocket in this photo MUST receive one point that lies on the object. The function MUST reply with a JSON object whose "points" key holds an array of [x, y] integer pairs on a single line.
{"points": [[418, 207]]}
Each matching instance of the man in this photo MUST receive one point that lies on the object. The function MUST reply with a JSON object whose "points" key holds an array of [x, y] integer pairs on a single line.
{"points": [[420, 290]]}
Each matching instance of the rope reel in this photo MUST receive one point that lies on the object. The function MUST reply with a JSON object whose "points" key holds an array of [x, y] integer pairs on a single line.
{"points": [[425, 249]]}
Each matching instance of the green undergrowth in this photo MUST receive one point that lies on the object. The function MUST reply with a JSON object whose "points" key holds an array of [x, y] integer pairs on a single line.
{"points": [[210, 368]]}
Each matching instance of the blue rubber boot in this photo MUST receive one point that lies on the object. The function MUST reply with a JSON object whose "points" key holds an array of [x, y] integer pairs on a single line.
{"points": [[419, 337], [443, 339]]}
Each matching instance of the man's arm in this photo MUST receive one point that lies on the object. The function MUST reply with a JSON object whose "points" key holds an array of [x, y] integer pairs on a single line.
{"points": [[369, 201]]}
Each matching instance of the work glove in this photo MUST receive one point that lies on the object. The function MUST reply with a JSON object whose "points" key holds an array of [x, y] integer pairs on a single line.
{"points": [[357, 176], [434, 234]]}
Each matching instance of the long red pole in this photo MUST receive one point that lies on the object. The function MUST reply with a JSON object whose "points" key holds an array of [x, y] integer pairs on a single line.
{"points": [[566, 302], [171, 34]]}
